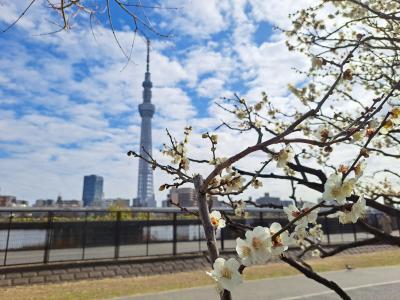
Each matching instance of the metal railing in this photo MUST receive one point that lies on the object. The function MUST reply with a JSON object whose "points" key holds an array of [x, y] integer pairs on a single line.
{"points": [[37, 236]]}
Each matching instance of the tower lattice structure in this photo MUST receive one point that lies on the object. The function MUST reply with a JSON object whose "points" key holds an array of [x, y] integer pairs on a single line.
{"points": [[145, 196]]}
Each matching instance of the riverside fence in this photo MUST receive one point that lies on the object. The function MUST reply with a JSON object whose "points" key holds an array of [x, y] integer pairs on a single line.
{"points": [[41, 236]]}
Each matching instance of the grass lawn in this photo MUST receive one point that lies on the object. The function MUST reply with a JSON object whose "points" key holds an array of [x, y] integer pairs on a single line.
{"points": [[118, 286]]}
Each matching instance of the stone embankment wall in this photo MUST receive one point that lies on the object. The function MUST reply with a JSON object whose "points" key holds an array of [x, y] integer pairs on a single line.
{"points": [[53, 273]]}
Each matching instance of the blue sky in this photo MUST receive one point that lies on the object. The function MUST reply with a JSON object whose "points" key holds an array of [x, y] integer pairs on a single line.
{"points": [[68, 102]]}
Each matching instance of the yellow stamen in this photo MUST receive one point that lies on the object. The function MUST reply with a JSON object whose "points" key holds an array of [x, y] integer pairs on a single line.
{"points": [[226, 273], [257, 243]]}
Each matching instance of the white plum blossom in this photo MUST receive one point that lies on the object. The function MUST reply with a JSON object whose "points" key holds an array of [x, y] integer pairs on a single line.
{"points": [[178, 152], [214, 138], [316, 253], [359, 207], [216, 181], [357, 211], [216, 219], [345, 217], [234, 182], [245, 252], [323, 132], [299, 233], [395, 113], [293, 212], [256, 183], [281, 242], [316, 63], [260, 241], [313, 215], [257, 123], [387, 127], [226, 273], [184, 163], [358, 136], [284, 156], [337, 190], [359, 168], [316, 231], [240, 207], [258, 106], [218, 160], [181, 149], [240, 113], [255, 249]]}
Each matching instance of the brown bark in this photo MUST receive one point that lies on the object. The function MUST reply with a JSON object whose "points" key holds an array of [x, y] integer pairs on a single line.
{"points": [[209, 229]]}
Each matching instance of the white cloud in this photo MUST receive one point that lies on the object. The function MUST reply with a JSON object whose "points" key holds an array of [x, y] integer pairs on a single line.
{"points": [[276, 11], [173, 103], [205, 61], [196, 18], [211, 87]]}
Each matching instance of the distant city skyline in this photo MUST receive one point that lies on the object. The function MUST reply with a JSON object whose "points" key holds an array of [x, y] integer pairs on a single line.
{"points": [[184, 196]]}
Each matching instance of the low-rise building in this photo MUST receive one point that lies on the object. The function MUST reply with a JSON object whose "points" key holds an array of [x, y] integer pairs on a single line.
{"points": [[7, 200], [119, 202], [186, 197], [69, 203], [286, 203], [45, 203], [268, 200], [21, 203]]}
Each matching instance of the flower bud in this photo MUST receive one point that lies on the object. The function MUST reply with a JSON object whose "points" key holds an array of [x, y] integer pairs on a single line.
{"points": [[347, 75], [364, 152]]}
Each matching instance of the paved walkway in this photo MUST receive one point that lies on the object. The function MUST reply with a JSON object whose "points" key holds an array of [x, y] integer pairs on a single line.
{"points": [[363, 284]]}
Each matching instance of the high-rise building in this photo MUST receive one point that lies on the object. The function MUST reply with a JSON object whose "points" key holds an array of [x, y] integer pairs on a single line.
{"points": [[145, 196], [183, 196], [92, 190]]}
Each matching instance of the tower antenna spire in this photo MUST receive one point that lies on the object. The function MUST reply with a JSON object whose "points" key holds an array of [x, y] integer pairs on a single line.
{"points": [[148, 56]]}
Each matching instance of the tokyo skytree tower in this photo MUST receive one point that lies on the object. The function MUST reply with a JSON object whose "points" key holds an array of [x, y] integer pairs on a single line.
{"points": [[145, 196]]}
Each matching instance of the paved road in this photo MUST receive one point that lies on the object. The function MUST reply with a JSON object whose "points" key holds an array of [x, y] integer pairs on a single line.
{"points": [[35, 256], [363, 284]]}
